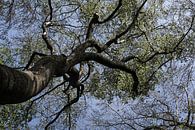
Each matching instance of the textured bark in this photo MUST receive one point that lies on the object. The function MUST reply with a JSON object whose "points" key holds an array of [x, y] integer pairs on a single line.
{"points": [[19, 86]]}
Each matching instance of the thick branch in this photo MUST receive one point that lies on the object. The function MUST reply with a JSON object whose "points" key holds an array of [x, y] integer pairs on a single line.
{"points": [[87, 56], [89, 43], [32, 58], [101, 48], [93, 21], [115, 65], [80, 55], [50, 10]]}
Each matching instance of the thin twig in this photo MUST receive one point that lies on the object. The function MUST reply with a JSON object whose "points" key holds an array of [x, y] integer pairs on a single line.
{"points": [[66, 106], [114, 40], [95, 20]]}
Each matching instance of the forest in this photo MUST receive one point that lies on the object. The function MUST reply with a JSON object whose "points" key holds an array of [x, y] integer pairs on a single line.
{"points": [[97, 64]]}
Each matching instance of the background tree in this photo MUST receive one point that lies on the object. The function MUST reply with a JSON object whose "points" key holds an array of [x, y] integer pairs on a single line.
{"points": [[161, 109]]}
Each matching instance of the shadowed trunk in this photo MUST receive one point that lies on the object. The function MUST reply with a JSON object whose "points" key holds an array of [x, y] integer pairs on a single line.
{"points": [[19, 86]]}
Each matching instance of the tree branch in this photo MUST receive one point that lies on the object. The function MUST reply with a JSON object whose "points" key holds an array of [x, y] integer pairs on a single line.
{"points": [[128, 58], [95, 20], [34, 100], [32, 58], [46, 37], [112, 64], [112, 14], [114, 40], [50, 10], [46, 24], [64, 108]]}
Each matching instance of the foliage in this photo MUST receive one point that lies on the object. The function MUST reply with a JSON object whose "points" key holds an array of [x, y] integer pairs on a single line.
{"points": [[15, 116], [160, 109], [155, 39]]}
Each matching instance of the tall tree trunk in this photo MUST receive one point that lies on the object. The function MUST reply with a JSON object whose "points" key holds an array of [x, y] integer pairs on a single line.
{"points": [[19, 86]]}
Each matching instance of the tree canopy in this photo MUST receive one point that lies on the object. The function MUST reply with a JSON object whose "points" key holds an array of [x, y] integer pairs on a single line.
{"points": [[63, 50]]}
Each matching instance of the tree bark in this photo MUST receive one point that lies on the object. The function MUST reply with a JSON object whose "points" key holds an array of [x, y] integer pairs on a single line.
{"points": [[19, 86]]}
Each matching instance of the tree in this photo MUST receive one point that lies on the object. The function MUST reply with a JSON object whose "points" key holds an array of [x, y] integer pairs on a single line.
{"points": [[128, 36], [161, 109]]}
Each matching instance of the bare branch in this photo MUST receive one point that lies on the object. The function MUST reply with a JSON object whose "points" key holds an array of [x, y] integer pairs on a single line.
{"points": [[34, 100], [89, 43], [32, 58], [64, 108], [112, 14], [45, 36], [46, 24], [80, 55], [50, 10], [183, 36], [114, 40], [88, 73], [128, 58], [154, 72], [112, 64], [95, 20]]}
